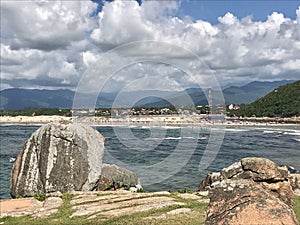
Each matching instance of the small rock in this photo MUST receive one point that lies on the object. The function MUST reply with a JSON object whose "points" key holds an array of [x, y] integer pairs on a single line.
{"points": [[189, 196], [45, 213], [209, 180], [203, 193], [232, 170], [179, 211], [52, 202], [115, 177], [295, 182]]}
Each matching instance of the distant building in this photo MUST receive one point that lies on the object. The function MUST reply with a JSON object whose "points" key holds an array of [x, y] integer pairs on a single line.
{"points": [[233, 107]]}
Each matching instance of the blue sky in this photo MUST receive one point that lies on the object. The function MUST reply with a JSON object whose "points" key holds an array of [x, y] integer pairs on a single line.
{"points": [[212, 9], [259, 10]]}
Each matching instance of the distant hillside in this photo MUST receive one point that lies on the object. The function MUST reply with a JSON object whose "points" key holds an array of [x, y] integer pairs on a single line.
{"points": [[281, 102], [15, 98], [250, 92], [232, 95]]}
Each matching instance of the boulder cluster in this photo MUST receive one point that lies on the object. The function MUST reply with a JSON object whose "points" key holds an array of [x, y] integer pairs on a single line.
{"points": [[65, 156], [251, 191]]}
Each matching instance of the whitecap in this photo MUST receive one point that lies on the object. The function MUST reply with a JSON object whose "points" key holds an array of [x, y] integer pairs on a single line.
{"points": [[272, 132], [236, 130], [292, 133], [173, 138]]}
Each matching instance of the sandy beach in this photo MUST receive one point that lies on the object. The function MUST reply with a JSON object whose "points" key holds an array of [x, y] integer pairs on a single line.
{"points": [[169, 120]]}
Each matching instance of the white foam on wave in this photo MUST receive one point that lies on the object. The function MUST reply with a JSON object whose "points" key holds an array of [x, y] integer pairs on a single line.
{"points": [[292, 133], [173, 138], [230, 129], [22, 124], [297, 139], [279, 130], [272, 132], [171, 127], [189, 137], [144, 127], [236, 130]]}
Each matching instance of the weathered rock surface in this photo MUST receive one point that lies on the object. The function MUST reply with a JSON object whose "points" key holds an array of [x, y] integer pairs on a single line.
{"points": [[209, 180], [60, 156], [30, 207], [261, 169], [295, 183], [243, 202], [252, 191], [19, 207], [115, 177], [103, 204]]}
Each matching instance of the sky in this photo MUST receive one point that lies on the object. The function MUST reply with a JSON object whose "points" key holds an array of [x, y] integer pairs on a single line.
{"points": [[57, 44]]}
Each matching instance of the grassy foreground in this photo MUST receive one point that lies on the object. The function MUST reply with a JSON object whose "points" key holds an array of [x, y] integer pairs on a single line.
{"points": [[296, 205], [153, 217]]}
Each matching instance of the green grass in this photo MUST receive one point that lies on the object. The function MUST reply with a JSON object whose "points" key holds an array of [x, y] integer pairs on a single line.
{"points": [[297, 207], [197, 216]]}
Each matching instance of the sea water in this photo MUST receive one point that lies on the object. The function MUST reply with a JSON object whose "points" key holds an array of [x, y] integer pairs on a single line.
{"points": [[168, 158]]}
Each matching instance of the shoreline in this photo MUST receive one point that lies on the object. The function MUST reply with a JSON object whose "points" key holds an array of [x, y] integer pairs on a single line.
{"points": [[151, 121]]}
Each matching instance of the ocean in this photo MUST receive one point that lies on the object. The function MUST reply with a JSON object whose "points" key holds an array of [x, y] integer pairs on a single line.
{"points": [[171, 158]]}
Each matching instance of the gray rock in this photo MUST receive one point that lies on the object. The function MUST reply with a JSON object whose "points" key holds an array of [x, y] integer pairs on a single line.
{"points": [[52, 203], [294, 179], [115, 177], [257, 169], [211, 178], [232, 170], [60, 156]]}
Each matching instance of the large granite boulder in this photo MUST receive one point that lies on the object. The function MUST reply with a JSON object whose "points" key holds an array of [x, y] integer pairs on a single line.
{"points": [[115, 177], [241, 201], [251, 191], [60, 156]]}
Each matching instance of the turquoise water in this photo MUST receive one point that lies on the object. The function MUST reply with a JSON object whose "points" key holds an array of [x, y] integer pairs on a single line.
{"points": [[169, 158]]}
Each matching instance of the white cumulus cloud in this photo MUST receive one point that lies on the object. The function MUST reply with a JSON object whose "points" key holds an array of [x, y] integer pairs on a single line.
{"points": [[52, 43]]}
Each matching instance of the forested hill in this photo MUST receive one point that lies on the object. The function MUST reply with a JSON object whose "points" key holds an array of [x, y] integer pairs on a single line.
{"points": [[283, 101]]}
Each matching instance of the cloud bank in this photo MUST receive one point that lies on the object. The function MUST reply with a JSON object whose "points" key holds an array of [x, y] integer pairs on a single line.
{"points": [[50, 44]]}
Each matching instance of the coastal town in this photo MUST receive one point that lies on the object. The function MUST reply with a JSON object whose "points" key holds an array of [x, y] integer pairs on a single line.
{"points": [[155, 120]]}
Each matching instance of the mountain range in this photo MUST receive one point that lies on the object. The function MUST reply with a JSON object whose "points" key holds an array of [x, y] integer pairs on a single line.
{"points": [[16, 98]]}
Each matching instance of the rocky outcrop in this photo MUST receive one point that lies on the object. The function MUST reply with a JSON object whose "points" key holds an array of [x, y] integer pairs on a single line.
{"points": [[295, 183], [30, 206], [60, 156], [241, 201], [209, 180], [252, 191], [95, 206], [115, 177]]}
